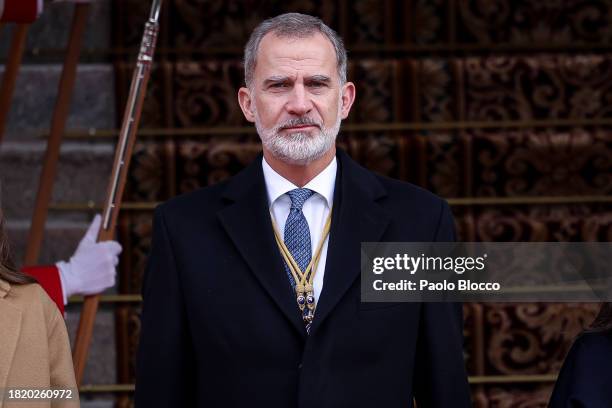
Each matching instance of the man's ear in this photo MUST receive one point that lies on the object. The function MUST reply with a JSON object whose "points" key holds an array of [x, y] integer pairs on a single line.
{"points": [[348, 97], [246, 104]]}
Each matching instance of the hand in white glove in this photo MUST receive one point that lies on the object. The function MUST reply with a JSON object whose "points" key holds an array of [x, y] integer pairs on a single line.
{"points": [[91, 268]]}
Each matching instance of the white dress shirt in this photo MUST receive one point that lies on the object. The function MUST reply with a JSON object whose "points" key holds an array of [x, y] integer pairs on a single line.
{"points": [[315, 210]]}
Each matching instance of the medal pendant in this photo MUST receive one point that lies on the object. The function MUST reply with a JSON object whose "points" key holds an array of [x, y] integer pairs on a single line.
{"points": [[308, 317], [310, 300], [301, 301]]}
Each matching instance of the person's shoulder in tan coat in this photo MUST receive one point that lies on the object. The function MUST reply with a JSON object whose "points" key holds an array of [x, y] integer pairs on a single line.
{"points": [[34, 346]]}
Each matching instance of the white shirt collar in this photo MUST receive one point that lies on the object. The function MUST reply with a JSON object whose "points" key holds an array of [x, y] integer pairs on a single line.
{"points": [[323, 183]]}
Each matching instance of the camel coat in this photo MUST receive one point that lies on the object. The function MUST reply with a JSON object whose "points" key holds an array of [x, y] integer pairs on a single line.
{"points": [[34, 345]]}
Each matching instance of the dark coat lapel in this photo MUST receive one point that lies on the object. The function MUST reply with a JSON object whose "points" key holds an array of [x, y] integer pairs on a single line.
{"points": [[247, 221], [356, 218]]}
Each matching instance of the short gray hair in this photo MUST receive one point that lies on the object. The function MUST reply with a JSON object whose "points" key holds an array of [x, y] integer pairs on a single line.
{"points": [[292, 25]]}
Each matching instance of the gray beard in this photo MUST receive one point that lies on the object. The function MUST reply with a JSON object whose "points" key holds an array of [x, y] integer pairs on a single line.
{"points": [[299, 148]]}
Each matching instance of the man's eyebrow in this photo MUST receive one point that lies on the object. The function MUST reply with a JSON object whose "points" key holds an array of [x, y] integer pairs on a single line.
{"points": [[319, 78], [276, 79]]}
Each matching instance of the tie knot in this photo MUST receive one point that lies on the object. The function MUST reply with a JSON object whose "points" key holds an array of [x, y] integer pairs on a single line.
{"points": [[299, 196]]}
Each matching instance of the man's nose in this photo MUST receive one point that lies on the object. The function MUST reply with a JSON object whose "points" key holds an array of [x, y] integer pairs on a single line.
{"points": [[299, 101]]}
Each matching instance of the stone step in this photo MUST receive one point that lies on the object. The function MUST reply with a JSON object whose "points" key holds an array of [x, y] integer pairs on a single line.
{"points": [[48, 36], [34, 98], [101, 361], [59, 243], [99, 402], [82, 175]]}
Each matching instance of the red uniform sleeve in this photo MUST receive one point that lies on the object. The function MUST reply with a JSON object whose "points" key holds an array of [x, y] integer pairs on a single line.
{"points": [[48, 277]]}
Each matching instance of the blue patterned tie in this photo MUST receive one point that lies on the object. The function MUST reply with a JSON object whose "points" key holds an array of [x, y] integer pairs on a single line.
{"points": [[297, 233]]}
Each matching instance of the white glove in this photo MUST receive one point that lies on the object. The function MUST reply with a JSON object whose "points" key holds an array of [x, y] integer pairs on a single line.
{"points": [[91, 268]]}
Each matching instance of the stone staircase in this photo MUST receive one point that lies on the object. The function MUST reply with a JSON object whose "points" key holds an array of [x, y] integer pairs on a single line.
{"points": [[84, 166]]}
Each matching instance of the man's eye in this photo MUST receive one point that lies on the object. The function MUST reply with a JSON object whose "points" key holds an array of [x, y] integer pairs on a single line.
{"points": [[317, 84], [278, 85]]}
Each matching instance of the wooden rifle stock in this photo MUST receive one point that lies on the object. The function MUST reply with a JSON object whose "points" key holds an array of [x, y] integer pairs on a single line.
{"points": [[123, 153], [58, 125]]}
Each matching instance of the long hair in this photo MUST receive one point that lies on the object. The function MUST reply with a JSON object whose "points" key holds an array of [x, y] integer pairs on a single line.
{"points": [[603, 321], [8, 272]]}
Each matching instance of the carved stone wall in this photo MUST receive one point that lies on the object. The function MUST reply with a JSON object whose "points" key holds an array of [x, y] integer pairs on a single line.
{"points": [[504, 100], [469, 99]]}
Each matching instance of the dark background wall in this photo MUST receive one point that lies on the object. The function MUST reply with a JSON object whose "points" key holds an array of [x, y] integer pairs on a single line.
{"points": [[501, 107]]}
